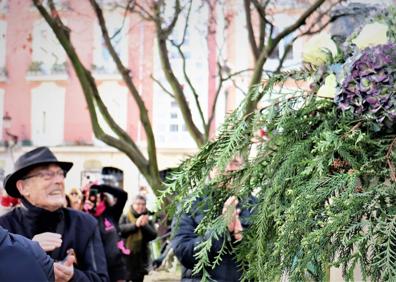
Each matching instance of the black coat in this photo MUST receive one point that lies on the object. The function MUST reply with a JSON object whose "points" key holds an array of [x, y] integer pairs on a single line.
{"points": [[79, 231], [23, 260], [185, 240], [108, 226], [137, 263]]}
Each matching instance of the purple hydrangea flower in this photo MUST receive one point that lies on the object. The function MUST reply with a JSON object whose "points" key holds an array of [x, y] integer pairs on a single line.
{"points": [[369, 87]]}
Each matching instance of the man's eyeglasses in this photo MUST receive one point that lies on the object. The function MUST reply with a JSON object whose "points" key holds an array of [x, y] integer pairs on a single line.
{"points": [[47, 174]]}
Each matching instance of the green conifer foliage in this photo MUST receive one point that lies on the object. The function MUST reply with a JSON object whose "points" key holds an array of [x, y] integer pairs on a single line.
{"points": [[325, 184]]}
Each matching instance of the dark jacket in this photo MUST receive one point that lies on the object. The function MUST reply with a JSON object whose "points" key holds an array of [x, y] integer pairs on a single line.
{"points": [[23, 260], [108, 226], [79, 231], [138, 263], [185, 240]]}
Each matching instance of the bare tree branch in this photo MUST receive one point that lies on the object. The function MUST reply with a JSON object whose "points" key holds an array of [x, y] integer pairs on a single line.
{"points": [[310, 31], [178, 46], [193, 90], [127, 8], [176, 14], [283, 58], [172, 79], [162, 86], [146, 15], [90, 92], [272, 44], [249, 26], [264, 22], [151, 148], [231, 75]]}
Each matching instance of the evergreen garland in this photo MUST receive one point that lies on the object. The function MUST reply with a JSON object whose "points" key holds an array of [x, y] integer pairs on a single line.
{"points": [[325, 188]]}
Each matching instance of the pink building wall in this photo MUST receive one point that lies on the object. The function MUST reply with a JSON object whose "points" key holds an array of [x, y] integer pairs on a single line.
{"points": [[77, 121], [18, 56], [20, 18]]}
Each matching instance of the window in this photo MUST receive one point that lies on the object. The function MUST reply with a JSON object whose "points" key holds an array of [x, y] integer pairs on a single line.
{"points": [[173, 128], [176, 119], [117, 28], [47, 116], [48, 55], [3, 6], [116, 105]]}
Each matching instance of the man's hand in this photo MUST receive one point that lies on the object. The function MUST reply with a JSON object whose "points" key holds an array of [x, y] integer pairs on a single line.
{"points": [[142, 220], [234, 225], [48, 241], [64, 270]]}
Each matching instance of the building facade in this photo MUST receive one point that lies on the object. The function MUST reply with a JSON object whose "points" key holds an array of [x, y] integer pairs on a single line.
{"points": [[41, 101]]}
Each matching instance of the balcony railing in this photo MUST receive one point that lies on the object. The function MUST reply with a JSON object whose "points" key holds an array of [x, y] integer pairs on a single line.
{"points": [[37, 71]]}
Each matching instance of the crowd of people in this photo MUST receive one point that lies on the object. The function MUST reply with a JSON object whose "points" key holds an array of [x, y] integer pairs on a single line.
{"points": [[84, 236], [74, 236]]}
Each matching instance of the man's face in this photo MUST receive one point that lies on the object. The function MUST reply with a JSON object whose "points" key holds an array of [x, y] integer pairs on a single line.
{"points": [[139, 206], [44, 187], [234, 164]]}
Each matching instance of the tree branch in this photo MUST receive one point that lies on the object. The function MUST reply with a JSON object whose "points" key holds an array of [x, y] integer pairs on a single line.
{"points": [[144, 13], [89, 88], [172, 25], [285, 53], [178, 46], [162, 86], [151, 148], [174, 82], [249, 26], [193, 90], [272, 43]]}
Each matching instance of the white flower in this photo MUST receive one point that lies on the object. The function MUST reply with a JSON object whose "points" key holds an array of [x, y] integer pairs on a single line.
{"points": [[318, 49], [371, 34], [328, 89]]}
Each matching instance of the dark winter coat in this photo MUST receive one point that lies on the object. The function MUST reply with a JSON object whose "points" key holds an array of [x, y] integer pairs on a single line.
{"points": [[108, 226], [23, 260], [138, 263], [79, 231], [185, 240]]}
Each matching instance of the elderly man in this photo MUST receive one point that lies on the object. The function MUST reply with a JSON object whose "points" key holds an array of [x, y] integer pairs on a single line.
{"points": [[70, 237]]}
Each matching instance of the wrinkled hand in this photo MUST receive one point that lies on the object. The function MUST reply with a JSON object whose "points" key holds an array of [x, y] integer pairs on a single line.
{"points": [[234, 225], [64, 270], [142, 220], [48, 241]]}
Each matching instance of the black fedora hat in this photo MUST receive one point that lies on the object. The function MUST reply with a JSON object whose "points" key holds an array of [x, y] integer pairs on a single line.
{"points": [[26, 162]]}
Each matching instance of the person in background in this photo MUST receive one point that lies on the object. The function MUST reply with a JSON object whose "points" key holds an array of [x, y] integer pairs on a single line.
{"points": [[151, 200], [138, 230], [65, 234], [106, 204], [75, 199], [185, 238], [23, 259]]}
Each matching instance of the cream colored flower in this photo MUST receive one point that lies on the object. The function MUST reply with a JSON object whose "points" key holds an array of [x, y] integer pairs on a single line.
{"points": [[371, 34], [328, 89], [318, 48]]}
